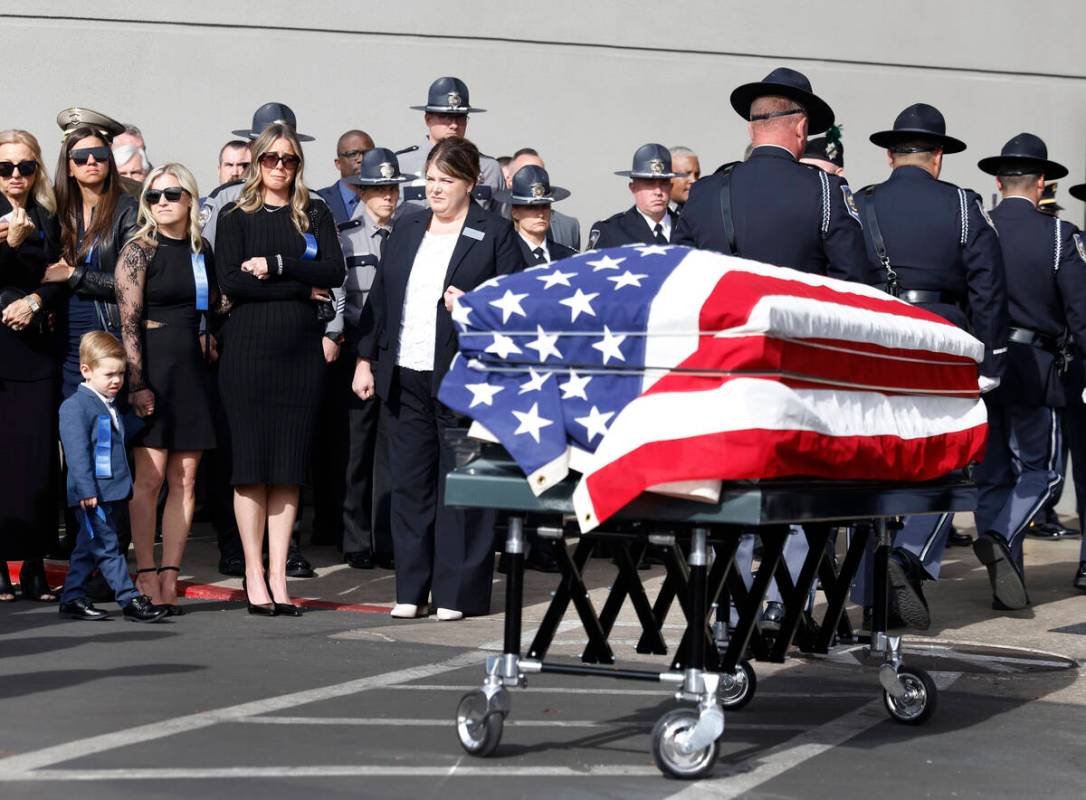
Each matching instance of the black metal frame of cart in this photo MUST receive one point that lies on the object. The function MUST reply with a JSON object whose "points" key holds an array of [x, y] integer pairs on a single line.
{"points": [[710, 666]]}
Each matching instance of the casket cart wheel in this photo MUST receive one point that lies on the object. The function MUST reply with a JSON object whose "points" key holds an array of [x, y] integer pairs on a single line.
{"points": [[919, 701], [743, 683], [479, 731], [667, 752]]}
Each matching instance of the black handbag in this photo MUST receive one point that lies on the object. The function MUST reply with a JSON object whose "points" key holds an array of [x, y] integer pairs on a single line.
{"points": [[326, 309]]}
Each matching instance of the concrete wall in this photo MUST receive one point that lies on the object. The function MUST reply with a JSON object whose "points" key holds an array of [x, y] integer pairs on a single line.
{"points": [[584, 83]]}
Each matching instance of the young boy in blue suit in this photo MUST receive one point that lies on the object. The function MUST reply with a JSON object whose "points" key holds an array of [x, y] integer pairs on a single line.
{"points": [[92, 433]]}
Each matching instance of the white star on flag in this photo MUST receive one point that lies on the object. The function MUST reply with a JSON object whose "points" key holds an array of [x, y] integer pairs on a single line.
{"points": [[536, 382], [556, 278], [595, 423], [493, 282], [502, 346], [530, 422], [609, 345], [627, 278], [580, 304], [654, 249], [460, 312], [545, 344], [482, 393], [509, 305], [605, 263], [575, 386]]}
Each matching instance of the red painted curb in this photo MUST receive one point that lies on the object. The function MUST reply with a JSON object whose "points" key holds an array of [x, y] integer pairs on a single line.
{"points": [[55, 575]]}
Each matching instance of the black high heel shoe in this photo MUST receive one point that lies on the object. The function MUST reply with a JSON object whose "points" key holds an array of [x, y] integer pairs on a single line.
{"points": [[259, 609], [33, 583], [174, 610], [282, 609]]}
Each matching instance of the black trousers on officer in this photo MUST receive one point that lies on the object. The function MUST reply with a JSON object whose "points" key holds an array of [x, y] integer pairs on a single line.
{"points": [[445, 553], [366, 522], [1075, 429]]}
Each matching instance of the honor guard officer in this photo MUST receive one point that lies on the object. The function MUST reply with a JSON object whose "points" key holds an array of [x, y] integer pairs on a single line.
{"points": [[564, 229], [267, 114], [826, 152], [529, 198], [1075, 415], [934, 246], [446, 114], [649, 221], [1048, 202], [771, 208], [1045, 265]]}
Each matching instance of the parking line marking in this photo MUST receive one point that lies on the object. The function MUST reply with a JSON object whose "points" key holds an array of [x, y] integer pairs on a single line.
{"points": [[335, 771], [663, 691], [447, 722]]}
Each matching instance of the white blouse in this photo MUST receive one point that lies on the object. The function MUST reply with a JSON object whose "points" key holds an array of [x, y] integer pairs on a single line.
{"points": [[425, 285]]}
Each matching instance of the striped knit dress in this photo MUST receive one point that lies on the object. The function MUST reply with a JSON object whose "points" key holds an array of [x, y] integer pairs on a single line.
{"points": [[271, 373]]}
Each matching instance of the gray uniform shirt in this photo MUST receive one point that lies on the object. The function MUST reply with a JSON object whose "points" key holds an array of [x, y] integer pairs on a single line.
{"points": [[362, 244], [490, 177]]}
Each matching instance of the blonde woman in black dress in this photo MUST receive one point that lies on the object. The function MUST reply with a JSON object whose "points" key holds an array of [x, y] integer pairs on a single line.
{"points": [[165, 283], [277, 256]]}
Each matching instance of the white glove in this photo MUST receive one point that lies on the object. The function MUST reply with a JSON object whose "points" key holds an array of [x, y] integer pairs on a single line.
{"points": [[1084, 395], [987, 384]]}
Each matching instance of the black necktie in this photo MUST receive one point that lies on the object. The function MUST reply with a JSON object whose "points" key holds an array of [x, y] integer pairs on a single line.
{"points": [[383, 233], [540, 256], [659, 231]]}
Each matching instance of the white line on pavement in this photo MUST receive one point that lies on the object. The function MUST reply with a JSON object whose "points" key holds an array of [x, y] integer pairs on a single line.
{"points": [[335, 771], [447, 722], [662, 691], [739, 779]]}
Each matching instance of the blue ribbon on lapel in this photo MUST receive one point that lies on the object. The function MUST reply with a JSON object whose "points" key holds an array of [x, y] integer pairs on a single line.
{"points": [[103, 448], [310, 247], [199, 275]]}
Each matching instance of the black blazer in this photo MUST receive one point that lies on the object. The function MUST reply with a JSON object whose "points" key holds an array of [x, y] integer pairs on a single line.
{"points": [[557, 251], [474, 260], [626, 227]]}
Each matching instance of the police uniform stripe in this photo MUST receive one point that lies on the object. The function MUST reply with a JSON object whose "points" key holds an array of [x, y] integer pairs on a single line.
{"points": [[824, 182], [1055, 445], [964, 208], [934, 537], [1058, 246]]}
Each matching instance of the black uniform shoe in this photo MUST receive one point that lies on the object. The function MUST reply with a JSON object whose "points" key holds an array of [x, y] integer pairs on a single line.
{"points": [[893, 621], [1080, 576], [541, 561], [906, 599], [956, 539], [772, 616], [1050, 530], [232, 566], [82, 608], [298, 566], [385, 561], [359, 560], [141, 609], [1008, 587]]}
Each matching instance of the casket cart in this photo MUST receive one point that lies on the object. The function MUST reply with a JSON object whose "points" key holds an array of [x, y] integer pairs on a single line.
{"points": [[698, 541]]}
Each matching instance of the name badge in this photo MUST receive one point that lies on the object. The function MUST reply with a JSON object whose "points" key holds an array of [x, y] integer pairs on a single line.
{"points": [[87, 526], [103, 448], [471, 233], [199, 275], [310, 247]]}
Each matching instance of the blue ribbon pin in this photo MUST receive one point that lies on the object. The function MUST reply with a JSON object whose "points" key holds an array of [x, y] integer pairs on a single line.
{"points": [[310, 247], [103, 447], [87, 526], [199, 275]]}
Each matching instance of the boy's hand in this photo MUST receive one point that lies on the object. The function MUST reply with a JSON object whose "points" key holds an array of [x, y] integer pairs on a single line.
{"points": [[88, 503]]}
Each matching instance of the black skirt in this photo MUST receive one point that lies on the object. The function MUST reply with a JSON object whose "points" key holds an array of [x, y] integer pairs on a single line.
{"points": [[175, 370], [29, 468]]}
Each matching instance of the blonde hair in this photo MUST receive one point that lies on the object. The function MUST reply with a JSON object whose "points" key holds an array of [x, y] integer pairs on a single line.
{"points": [[252, 193], [97, 346], [43, 188], [146, 220]]}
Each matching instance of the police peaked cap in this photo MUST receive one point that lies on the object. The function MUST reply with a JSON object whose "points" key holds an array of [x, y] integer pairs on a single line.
{"points": [[784, 82], [272, 114], [1025, 154], [531, 187], [448, 95], [652, 161], [827, 148], [379, 167], [919, 122], [72, 118]]}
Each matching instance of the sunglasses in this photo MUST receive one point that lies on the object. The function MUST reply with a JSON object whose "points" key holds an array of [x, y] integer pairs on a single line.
{"points": [[26, 168], [269, 160], [352, 154], [82, 155], [171, 193]]}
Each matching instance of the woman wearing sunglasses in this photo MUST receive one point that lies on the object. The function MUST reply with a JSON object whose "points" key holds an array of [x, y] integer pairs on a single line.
{"points": [[28, 419], [96, 220], [278, 256], [166, 290]]}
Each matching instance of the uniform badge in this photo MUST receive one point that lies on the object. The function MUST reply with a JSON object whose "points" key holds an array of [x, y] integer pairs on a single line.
{"points": [[538, 190], [1079, 245], [454, 100], [205, 215], [593, 237], [850, 205], [387, 170], [984, 214], [831, 151], [656, 166]]}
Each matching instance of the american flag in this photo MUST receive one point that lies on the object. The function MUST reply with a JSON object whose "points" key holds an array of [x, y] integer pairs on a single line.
{"points": [[661, 368]]}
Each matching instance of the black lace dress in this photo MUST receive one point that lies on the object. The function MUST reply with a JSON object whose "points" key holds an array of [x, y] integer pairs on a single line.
{"points": [[160, 326]]}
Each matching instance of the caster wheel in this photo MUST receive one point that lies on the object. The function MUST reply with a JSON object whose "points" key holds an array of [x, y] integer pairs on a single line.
{"points": [[918, 704], [665, 747], [741, 692], [478, 731]]}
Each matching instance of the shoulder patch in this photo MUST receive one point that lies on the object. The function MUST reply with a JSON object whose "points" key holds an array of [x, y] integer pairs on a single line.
{"points": [[1079, 245], [205, 214], [593, 237], [850, 204]]}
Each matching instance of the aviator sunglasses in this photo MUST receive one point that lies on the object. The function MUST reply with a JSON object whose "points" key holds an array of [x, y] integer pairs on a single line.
{"points": [[26, 168], [171, 193], [290, 161], [82, 155]]}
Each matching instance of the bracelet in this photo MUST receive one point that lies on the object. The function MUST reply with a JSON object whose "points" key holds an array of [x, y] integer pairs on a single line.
{"points": [[279, 263]]}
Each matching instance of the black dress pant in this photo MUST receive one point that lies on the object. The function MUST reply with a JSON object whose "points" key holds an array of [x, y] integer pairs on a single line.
{"points": [[444, 553], [366, 523]]}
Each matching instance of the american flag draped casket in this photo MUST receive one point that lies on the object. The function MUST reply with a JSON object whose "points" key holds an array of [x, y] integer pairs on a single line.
{"points": [[666, 369]]}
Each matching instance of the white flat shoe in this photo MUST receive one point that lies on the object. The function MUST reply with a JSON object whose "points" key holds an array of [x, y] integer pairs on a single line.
{"points": [[407, 611], [448, 615]]}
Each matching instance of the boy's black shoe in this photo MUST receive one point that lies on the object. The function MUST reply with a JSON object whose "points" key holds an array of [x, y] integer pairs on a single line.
{"points": [[82, 608], [141, 609]]}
